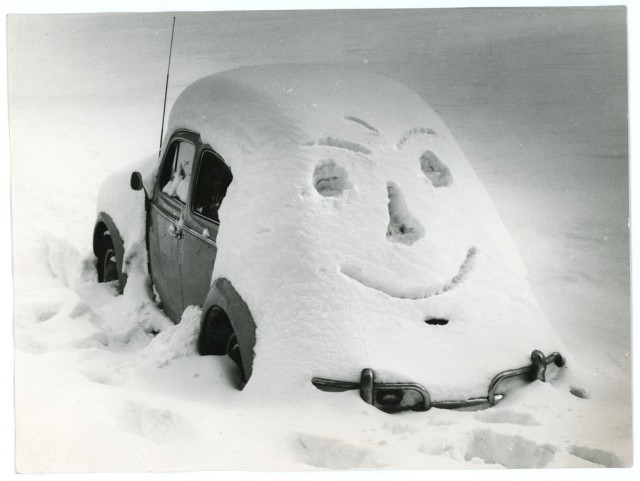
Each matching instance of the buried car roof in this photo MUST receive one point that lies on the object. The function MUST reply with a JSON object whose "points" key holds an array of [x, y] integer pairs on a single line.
{"points": [[289, 104]]}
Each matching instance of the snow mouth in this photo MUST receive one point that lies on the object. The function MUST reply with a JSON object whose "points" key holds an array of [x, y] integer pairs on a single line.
{"points": [[392, 289]]}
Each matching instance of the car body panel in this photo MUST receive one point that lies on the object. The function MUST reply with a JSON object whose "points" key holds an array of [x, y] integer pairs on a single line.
{"points": [[164, 254], [181, 242], [105, 223], [197, 256], [164, 233], [223, 294]]}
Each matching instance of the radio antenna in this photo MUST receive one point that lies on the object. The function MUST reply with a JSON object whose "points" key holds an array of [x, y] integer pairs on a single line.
{"points": [[166, 87]]}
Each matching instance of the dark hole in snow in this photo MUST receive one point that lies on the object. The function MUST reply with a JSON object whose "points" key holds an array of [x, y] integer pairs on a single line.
{"points": [[579, 392], [437, 322], [403, 227], [438, 173], [329, 178]]}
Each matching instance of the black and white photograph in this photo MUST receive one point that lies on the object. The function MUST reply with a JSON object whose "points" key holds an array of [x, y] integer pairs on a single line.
{"points": [[320, 239]]}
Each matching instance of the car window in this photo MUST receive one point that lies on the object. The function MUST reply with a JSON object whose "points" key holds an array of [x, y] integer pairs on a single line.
{"points": [[211, 185], [176, 171]]}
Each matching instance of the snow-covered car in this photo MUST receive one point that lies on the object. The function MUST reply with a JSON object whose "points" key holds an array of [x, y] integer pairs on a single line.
{"points": [[333, 233]]}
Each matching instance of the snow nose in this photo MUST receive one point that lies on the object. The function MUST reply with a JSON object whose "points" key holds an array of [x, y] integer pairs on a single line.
{"points": [[403, 226]]}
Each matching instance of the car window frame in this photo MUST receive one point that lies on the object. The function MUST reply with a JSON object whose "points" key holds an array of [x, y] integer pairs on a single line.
{"points": [[205, 149], [183, 136]]}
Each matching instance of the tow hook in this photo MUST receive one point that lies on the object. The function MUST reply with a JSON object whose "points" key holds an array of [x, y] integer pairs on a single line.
{"points": [[390, 397], [537, 371], [401, 396]]}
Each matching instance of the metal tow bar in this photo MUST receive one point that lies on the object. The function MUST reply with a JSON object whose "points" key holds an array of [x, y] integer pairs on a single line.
{"points": [[537, 371], [400, 396]]}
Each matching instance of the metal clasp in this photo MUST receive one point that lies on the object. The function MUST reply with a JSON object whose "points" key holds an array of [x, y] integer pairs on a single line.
{"points": [[536, 371]]}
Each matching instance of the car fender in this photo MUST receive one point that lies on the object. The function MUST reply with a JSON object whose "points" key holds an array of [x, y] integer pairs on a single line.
{"points": [[223, 294], [105, 223]]}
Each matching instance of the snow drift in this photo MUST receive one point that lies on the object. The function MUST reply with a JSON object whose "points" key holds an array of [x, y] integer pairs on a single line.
{"points": [[354, 219]]}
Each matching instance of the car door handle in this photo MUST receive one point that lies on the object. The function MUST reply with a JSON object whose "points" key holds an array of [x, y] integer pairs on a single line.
{"points": [[174, 231]]}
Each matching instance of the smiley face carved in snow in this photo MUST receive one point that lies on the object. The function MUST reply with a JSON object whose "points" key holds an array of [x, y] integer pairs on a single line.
{"points": [[331, 179]]}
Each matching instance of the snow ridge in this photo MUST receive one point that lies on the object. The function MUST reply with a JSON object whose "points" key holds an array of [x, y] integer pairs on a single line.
{"points": [[341, 144], [413, 133], [364, 123]]}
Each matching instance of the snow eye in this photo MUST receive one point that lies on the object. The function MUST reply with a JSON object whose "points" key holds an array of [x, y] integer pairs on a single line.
{"points": [[438, 173], [329, 178]]}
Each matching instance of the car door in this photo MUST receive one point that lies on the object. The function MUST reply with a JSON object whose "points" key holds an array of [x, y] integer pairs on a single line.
{"points": [[198, 247], [166, 218]]}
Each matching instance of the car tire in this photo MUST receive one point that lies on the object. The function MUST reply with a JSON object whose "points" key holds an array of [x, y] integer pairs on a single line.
{"points": [[217, 337], [108, 263]]}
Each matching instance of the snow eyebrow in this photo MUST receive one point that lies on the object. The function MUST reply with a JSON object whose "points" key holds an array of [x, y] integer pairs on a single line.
{"points": [[412, 133], [413, 293], [340, 144], [365, 124]]}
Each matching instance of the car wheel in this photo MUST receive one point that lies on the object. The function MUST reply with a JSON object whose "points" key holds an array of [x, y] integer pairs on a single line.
{"points": [[108, 263], [217, 337]]}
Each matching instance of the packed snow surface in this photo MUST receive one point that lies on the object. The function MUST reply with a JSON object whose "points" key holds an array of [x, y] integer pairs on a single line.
{"points": [[352, 219]]}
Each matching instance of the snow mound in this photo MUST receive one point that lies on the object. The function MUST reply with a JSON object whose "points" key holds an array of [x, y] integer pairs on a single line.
{"points": [[176, 341], [342, 239]]}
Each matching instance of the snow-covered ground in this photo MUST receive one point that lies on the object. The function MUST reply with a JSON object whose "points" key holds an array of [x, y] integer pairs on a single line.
{"points": [[538, 104]]}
